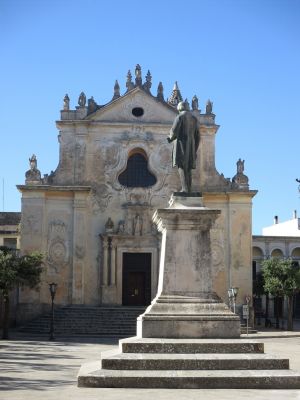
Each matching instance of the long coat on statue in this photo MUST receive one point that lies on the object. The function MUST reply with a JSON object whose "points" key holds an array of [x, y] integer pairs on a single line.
{"points": [[185, 135]]}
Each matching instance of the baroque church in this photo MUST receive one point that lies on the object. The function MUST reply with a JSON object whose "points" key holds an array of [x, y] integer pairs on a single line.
{"points": [[92, 216]]}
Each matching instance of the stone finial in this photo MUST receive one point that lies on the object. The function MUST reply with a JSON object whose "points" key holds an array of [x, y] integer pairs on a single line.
{"points": [[66, 103], [33, 175], [109, 226], [147, 85], [129, 83], [138, 75], [92, 105], [209, 107], [195, 103], [175, 97], [240, 180], [82, 100], [116, 91], [160, 92]]}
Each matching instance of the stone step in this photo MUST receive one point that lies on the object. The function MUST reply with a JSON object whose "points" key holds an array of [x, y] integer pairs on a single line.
{"points": [[91, 376], [136, 345], [96, 321], [137, 361]]}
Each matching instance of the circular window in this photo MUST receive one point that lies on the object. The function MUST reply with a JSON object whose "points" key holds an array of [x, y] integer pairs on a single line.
{"points": [[137, 111]]}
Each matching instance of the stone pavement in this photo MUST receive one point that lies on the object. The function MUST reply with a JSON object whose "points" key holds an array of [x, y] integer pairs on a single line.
{"points": [[39, 369]]}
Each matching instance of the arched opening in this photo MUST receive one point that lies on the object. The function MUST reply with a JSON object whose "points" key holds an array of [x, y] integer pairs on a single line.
{"points": [[277, 253], [257, 252], [296, 253], [137, 173]]}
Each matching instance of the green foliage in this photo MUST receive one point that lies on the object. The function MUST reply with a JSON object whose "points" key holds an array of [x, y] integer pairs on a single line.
{"points": [[281, 277], [16, 270]]}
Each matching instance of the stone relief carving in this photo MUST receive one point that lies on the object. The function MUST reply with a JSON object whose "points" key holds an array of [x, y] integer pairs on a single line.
{"points": [[99, 197], [137, 195], [79, 251], [58, 246], [137, 222]]}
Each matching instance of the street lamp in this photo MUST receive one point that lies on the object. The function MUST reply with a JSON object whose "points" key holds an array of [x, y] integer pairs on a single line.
{"points": [[232, 294], [52, 288]]}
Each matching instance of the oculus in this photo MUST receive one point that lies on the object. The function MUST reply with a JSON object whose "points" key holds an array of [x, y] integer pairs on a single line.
{"points": [[137, 111]]}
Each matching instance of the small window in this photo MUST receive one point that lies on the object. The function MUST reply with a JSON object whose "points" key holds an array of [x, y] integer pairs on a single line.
{"points": [[11, 243], [137, 111], [137, 173]]}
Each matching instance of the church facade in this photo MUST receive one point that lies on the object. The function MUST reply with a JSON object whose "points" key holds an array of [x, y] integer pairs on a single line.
{"points": [[92, 216]]}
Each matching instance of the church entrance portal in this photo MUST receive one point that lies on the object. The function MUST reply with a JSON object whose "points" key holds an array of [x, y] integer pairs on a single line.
{"points": [[136, 279]]}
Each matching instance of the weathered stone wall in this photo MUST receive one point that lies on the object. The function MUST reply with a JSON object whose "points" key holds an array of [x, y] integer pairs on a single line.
{"points": [[65, 214]]}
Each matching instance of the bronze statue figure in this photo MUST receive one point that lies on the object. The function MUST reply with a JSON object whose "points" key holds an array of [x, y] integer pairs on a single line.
{"points": [[185, 135]]}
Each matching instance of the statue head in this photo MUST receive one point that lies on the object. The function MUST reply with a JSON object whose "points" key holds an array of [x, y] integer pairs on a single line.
{"points": [[182, 106]]}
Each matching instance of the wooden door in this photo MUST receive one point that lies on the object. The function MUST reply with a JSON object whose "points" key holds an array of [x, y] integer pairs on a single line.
{"points": [[136, 279]]}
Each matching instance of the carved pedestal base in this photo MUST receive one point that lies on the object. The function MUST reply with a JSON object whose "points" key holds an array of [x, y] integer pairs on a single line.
{"points": [[186, 306]]}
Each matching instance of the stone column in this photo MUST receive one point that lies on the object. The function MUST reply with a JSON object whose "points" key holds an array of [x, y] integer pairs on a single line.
{"points": [[185, 305], [113, 264], [105, 265], [79, 247]]}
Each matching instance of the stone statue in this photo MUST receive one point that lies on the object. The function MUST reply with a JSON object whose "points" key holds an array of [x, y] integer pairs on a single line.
{"points": [[33, 175], [82, 100], [121, 227], [209, 107], [92, 105], [33, 162], [109, 226], [240, 180], [185, 135], [195, 104], [138, 75], [66, 103], [160, 92], [137, 225], [240, 166]]}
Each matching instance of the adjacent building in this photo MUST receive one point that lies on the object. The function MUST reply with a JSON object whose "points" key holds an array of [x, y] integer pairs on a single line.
{"points": [[282, 239]]}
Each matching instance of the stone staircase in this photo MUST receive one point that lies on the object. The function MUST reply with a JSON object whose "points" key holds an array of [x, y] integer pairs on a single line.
{"points": [[87, 321], [189, 364]]}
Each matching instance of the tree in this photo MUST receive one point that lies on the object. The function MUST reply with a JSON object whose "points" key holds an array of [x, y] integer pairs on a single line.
{"points": [[15, 271], [258, 291], [282, 278]]}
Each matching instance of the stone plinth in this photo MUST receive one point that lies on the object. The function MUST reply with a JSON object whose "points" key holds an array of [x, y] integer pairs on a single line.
{"points": [[185, 305], [189, 364]]}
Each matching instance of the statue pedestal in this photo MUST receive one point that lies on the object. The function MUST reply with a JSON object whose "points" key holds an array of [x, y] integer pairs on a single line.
{"points": [[185, 305]]}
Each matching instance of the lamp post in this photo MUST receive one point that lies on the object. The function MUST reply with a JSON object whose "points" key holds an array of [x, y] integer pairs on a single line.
{"points": [[52, 288], [232, 294]]}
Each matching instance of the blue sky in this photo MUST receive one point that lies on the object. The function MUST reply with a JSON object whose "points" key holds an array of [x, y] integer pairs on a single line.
{"points": [[243, 55]]}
